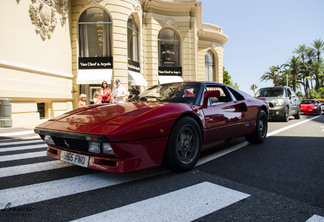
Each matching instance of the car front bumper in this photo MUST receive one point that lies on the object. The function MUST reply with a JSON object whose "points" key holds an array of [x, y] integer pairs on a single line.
{"points": [[276, 112], [309, 111], [127, 156], [133, 156]]}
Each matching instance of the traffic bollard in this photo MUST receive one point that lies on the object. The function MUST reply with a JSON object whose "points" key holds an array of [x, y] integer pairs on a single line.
{"points": [[5, 112]]}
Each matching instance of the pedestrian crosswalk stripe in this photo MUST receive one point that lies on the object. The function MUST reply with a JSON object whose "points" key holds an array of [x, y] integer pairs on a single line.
{"points": [[2, 144], [18, 148], [32, 168], [26, 132], [186, 204], [316, 218], [68, 186], [22, 156]]}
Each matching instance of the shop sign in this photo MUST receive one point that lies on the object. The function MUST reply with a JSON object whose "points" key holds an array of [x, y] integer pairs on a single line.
{"points": [[170, 71], [95, 63], [133, 66]]}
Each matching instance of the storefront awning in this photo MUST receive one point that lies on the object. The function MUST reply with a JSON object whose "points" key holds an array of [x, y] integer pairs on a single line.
{"points": [[169, 79], [94, 76], [137, 79]]}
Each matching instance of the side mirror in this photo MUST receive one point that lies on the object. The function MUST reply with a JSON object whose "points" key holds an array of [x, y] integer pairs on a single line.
{"points": [[209, 94]]}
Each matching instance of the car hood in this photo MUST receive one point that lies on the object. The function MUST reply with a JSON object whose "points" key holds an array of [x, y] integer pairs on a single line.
{"points": [[120, 121], [99, 119], [270, 99], [307, 105], [98, 114]]}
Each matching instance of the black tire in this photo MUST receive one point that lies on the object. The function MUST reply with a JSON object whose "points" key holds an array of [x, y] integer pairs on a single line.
{"points": [[285, 117], [260, 133], [297, 116], [184, 145]]}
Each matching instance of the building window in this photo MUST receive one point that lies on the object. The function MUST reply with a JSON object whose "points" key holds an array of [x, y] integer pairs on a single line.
{"points": [[41, 110], [95, 33], [169, 48], [133, 37], [209, 66]]}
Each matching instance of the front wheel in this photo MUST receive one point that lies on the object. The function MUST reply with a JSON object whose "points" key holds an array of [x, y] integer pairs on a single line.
{"points": [[184, 145], [297, 116], [285, 117], [260, 132]]}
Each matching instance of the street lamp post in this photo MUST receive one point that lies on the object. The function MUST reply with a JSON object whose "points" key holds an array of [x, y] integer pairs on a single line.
{"points": [[279, 73]]}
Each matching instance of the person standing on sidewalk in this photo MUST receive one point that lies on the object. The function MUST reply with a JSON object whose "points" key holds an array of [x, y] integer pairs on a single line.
{"points": [[96, 98], [82, 102], [118, 93], [105, 92]]}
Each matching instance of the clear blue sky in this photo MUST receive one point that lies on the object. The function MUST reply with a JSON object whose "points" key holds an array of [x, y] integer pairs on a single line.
{"points": [[263, 33]]}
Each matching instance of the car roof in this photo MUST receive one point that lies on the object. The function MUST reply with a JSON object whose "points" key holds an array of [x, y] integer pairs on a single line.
{"points": [[275, 87]]}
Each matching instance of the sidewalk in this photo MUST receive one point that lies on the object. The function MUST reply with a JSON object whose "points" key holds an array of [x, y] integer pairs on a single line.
{"points": [[7, 134]]}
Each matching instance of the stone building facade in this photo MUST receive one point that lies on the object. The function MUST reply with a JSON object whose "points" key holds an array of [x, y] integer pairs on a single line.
{"points": [[54, 50]]}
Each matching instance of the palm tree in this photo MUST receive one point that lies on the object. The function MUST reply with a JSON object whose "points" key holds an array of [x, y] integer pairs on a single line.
{"points": [[301, 51], [253, 88], [317, 69], [294, 65], [319, 47], [304, 67], [285, 77], [310, 55], [271, 75]]}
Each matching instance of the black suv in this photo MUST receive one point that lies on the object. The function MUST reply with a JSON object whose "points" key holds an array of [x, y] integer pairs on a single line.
{"points": [[283, 102]]}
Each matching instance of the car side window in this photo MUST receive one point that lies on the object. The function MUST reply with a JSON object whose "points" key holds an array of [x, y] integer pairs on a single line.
{"points": [[289, 93], [224, 96], [237, 95]]}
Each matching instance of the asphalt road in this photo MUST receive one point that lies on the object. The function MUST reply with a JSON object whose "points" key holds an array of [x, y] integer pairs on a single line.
{"points": [[279, 180]]}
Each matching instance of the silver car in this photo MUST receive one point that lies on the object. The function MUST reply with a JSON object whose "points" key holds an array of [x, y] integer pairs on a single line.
{"points": [[283, 102]]}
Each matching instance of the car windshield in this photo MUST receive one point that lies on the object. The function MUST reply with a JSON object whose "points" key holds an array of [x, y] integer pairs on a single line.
{"points": [[308, 102], [270, 93], [173, 92]]}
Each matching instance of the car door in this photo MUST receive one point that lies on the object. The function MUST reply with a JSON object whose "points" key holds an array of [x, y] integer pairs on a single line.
{"points": [[223, 117], [292, 101]]}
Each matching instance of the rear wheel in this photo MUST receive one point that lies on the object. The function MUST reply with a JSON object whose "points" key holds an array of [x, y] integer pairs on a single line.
{"points": [[261, 128], [184, 145]]}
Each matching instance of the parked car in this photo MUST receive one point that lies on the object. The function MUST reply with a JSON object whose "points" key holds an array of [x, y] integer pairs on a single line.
{"points": [[311, 107], [168, 124], [322, 105], [283, 102]]}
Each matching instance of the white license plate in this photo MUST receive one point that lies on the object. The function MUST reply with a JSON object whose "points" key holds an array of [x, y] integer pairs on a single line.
{"points": [[75, 158]]}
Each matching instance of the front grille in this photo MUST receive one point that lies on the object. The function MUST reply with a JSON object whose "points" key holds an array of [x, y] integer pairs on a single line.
{"points": [[73, 144]]}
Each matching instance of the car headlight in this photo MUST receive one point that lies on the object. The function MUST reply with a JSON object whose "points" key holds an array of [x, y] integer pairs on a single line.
{"points": [[279, 102], [94, 147], [106, 148], [48, 139]]}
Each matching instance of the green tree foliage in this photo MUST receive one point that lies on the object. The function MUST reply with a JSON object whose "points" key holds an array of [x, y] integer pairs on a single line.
{"points": [[271, 75], [253, 88], [227, 79], [304, 71]]}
